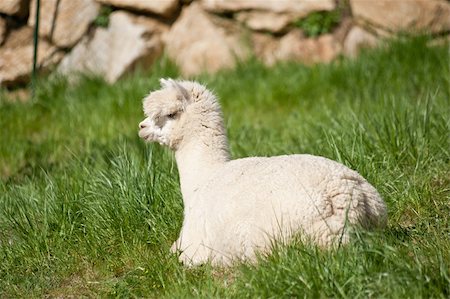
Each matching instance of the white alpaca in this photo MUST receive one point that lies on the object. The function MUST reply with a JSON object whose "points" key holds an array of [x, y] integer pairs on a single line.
{"points": [[233, 208]]}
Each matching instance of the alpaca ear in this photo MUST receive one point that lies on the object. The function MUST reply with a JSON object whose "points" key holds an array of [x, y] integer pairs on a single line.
{"points": [[165, 83], [181, 90], [170, 83]]}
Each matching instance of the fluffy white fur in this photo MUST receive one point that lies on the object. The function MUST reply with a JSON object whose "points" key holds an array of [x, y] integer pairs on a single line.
{"points": [[233, 208]]}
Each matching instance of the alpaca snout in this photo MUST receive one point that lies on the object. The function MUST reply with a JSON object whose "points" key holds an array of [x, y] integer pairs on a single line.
{"points": [[143, 133], [142, 130]]}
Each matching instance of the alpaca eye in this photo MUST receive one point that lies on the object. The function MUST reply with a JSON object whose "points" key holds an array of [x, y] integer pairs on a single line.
{"points": [[172, 115]]}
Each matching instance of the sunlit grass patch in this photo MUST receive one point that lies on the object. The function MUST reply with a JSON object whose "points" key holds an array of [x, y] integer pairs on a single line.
{"points": [[88, 209]]}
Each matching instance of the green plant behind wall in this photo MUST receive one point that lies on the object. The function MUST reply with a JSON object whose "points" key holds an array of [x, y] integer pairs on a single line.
{"points": [[319, 23], [102, 20]]}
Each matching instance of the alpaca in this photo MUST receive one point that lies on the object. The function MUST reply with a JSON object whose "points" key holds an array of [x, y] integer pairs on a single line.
{"points": [[235, 208]]}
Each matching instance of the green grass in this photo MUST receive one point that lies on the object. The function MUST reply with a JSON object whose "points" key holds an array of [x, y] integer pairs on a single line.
{"points": [[88, 209]]}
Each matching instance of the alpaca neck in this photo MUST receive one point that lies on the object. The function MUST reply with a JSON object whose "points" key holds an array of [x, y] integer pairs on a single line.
{"points": [[198, 159]]}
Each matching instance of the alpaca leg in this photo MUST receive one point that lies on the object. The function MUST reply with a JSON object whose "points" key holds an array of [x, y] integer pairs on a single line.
{"points": [[330, 232], [175, 246], [189, 245], [194, 255]]}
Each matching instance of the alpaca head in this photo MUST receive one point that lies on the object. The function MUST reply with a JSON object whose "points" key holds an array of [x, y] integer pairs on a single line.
{"points": [[177, 112]]}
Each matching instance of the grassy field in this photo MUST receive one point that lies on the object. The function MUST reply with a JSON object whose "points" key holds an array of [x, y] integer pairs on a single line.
{"points": [[88, 209]]}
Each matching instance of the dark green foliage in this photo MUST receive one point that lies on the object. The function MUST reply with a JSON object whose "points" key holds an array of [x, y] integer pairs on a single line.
{"points": [[102, 20], [320, 22]]}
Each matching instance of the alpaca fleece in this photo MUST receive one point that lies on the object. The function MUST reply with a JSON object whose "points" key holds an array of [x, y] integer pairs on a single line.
{"points": [[235, 208]]}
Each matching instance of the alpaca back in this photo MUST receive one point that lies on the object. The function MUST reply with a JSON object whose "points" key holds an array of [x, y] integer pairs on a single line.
{"points": [[251, 200]]}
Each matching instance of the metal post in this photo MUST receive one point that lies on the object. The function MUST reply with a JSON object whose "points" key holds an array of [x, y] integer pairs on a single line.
{"points": [[35, 52]]}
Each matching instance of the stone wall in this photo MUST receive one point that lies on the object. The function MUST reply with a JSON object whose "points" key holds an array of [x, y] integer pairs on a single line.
{"points": [[113, 37]]}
